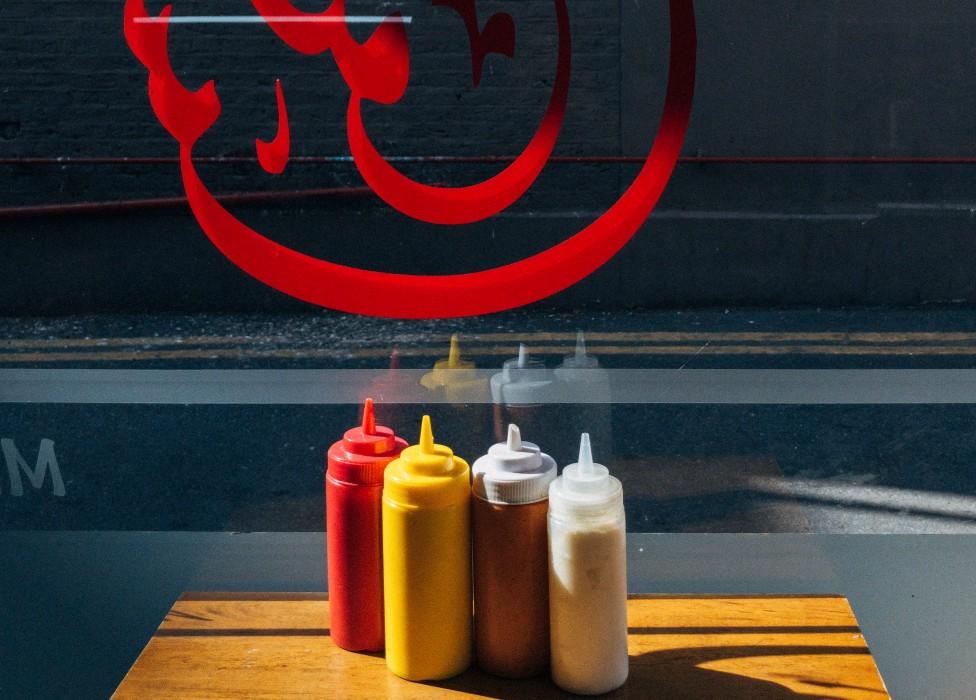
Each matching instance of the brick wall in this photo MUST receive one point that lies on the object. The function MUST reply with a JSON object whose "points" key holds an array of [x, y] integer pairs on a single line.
{"points": [[72, 88]]}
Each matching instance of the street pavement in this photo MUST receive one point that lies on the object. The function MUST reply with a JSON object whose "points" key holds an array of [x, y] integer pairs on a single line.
{"points": [[700, 466]]}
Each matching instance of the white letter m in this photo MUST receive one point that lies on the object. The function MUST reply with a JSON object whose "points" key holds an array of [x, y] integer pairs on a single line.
{"points": [[46, 462]]}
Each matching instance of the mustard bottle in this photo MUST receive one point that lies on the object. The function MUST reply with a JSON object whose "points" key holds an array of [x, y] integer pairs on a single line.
{"points": [[427, 561]]}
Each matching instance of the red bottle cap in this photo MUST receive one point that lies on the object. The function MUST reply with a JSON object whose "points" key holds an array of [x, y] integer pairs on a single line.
{"points": [[362, 454]]}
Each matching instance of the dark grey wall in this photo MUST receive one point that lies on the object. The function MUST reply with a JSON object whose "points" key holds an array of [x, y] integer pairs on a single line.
{"points": [[792, 78]]}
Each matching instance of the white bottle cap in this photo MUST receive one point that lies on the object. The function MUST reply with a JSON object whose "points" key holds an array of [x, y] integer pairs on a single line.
{"points": [[523, 381], [513, 472], [580, 359], [585, 488]]}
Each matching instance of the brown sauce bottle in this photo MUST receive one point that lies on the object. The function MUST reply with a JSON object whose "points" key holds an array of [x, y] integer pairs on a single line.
{"points": [[510, 545]]}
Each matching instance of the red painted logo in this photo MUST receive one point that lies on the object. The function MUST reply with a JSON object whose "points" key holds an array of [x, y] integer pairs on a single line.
{"points": [[378, 70]]}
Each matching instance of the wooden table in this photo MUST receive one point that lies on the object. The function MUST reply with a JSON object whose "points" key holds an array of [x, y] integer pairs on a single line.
{"points": [[261, 645]]}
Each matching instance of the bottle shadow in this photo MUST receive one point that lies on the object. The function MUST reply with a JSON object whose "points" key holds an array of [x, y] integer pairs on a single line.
{"points": [[676, 674]]}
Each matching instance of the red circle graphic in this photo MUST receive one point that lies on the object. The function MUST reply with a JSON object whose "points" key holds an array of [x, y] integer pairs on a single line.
{"points": [[187, 115]]}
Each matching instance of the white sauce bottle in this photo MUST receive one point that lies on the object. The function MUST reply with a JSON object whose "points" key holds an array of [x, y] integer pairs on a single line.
{"points": [[587, 578]]}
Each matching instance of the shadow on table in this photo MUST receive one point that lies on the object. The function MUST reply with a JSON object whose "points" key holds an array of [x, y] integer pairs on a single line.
{"points": [[676, 674]]}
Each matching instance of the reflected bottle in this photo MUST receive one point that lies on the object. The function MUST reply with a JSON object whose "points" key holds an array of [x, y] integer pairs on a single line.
{"points": [[463, 392], [587, 578], [394, 389], [521, 393], [511, 586], [583, 393], [354, 497], [455, 380], [427, 561]]}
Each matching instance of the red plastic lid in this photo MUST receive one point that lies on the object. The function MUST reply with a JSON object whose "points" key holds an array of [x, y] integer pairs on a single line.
{"points": [[363, 453]]}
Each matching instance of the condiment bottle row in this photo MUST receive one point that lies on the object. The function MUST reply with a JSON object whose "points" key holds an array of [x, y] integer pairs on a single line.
{"points": [[414, 542]]}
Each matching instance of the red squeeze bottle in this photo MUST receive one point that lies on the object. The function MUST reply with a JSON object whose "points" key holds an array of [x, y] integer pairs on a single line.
{"points": [[354, 507]]}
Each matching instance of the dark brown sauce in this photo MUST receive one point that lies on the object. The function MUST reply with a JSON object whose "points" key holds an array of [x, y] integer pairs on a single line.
{"points": [[511, 591]]}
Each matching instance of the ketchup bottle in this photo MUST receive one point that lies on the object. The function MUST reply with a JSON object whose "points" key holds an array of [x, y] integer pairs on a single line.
{"points": [[354, 506]]}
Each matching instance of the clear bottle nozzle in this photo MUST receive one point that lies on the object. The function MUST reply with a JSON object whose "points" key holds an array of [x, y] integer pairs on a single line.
{"points": [[580, 345], [585, 478], [523, 356], [514, 438], [586, 489], [580, 359], [585, 460]]}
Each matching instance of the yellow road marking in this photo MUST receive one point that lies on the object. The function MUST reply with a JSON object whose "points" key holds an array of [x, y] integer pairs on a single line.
{"points": [[115, 342], [506, 351], [747, 336], [538, 337]]}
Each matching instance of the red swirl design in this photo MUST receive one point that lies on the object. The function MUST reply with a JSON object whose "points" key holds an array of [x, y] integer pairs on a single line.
{"points": [[187, 115]]}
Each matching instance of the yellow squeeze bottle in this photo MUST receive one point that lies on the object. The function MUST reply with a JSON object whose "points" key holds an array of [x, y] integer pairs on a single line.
{"points": [[427, 561]]}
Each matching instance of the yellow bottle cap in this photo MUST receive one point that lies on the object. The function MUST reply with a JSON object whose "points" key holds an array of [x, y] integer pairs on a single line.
{"points": [[451, 369], [427, 474], [456, 380], [454, 360]]}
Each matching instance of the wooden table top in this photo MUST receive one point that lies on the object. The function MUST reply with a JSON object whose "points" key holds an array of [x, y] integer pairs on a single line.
{"points": [[274, 645]]}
